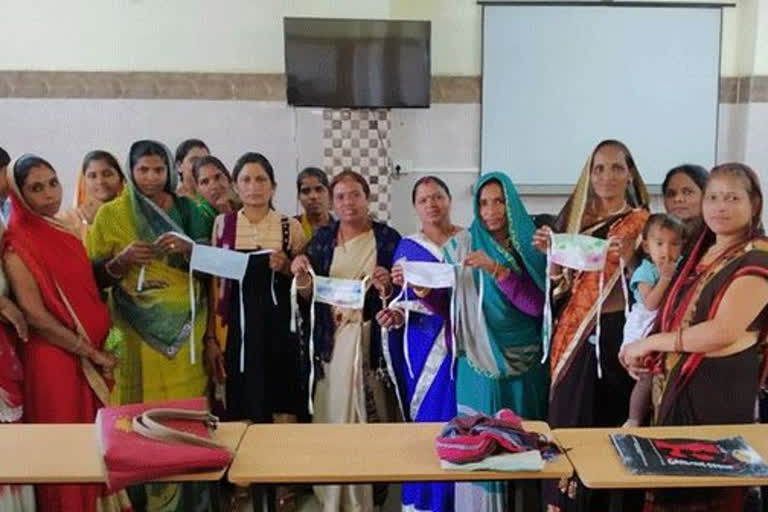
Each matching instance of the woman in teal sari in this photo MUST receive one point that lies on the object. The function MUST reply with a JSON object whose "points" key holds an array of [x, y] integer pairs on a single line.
{"points": [[498, 346]]}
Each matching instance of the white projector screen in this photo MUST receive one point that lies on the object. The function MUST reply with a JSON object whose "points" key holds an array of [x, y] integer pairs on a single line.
{"points": [[558, 79]]}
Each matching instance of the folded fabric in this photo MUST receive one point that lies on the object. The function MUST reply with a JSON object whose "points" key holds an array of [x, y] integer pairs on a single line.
{"points": [[467, 439], [130, 457], [522, 461]]}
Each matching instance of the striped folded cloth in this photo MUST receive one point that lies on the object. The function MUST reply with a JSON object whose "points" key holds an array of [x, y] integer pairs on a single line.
{"points": [[467, 439]]}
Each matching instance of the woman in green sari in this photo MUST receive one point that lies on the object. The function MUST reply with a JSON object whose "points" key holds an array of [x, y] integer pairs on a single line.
{"points": [[498, 336], [150, 298]]}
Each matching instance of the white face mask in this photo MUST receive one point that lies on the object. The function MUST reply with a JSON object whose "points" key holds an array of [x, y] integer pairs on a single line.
{"points": [[345, 293], [428, 274], [227, 264]]}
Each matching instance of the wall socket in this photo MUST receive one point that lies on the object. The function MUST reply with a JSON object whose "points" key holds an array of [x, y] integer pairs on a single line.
{"points": [[402, 167]]}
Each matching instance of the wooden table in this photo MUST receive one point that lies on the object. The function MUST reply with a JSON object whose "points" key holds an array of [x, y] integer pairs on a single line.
{"points": [[358, 453], [68, 453], [599, 467]]}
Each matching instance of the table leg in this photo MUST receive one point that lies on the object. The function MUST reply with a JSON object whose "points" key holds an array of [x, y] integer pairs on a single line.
{"points": [[616, 501]]}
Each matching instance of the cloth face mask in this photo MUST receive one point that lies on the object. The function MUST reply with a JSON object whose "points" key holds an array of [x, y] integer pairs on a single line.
{"points": [[423, 274], [579, 252], [583, 253], [345, 293], [219, 262]]}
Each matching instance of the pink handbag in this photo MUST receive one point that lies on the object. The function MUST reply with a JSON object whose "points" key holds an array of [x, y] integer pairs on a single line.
{"points": [[143, 442]]}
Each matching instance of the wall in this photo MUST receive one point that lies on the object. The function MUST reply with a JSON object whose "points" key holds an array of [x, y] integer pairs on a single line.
{"points": [[78, 74], [238, 35]]}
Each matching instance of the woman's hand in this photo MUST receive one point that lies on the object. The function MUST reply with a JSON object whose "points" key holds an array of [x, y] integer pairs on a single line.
{"points": [[480, 260], [632, 356], [214, 359], [616, 245], [169, 243], [138, 253], [301, 265], [542, 238], [13, 315], [278, 261], [398, 276], [390, 318], [382, 281], [105, 360]]}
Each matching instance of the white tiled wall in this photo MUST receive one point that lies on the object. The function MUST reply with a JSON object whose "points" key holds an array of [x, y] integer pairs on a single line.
{"points": [[443, 139]]}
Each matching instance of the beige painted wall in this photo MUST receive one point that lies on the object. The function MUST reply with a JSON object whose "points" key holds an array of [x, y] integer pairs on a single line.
{"points": [[246, 35]]}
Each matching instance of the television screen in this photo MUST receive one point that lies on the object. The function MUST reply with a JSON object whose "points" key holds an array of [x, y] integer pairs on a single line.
{"points": [[357, 63]]}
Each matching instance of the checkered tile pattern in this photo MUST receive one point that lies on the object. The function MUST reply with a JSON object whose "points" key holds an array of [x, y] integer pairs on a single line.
{"points": [[358, 140]]}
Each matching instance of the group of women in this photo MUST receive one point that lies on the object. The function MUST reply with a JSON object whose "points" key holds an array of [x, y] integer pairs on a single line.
{"points": [[98, 312]]}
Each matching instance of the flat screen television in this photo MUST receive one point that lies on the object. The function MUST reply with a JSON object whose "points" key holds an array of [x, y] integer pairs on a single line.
{"points": [[357, 63]]}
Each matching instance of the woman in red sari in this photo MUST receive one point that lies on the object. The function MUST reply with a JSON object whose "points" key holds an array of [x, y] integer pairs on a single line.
{"points": [[712, 344], [66, 370]]}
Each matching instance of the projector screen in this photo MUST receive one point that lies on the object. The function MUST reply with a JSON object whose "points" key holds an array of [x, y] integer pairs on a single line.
{"points": [[558, 79]]}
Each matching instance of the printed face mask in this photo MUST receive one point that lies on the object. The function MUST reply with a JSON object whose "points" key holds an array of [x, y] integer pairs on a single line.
{"points": [[345, 293], [579, 252], [585, 253], [427, 274]]}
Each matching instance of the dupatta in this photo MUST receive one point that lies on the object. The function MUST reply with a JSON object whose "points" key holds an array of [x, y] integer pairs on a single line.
{"points": [[161, 315], [57, 260]]}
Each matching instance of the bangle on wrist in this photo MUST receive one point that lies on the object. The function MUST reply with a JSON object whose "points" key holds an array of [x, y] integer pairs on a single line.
{"points": [[305, 285], [111, 272], [679, 340]]}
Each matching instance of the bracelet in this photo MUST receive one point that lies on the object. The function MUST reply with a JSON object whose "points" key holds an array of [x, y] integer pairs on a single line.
{"points": [[305, 285], [110, 272], [495, 269], [79, 346], [679, 340]]}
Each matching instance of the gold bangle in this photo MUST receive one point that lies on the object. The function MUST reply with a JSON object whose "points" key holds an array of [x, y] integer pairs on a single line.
{"points": [[110, 272], [679, 340], [305, 285]]}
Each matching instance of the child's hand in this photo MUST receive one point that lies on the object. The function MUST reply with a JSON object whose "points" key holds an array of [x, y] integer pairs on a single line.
{"points": [[667, 270]]}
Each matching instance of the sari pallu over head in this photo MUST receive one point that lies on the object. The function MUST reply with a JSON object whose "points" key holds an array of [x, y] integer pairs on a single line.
{"points": [[57, 260], [161, 315], [501, 341], [579, 292]]}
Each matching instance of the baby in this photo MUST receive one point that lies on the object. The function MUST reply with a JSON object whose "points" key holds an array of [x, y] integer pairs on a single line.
{"points": [[662, 243]]}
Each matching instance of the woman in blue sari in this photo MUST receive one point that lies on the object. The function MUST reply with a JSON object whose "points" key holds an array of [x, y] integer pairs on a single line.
{"points": [[429, 393], [499, 347]]}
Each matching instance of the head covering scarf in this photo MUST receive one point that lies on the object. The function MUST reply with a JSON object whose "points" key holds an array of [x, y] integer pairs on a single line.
{"points": [[151, 221], [81, 194], [58, 262], [585, 295], [571, 217], [501, 340]]}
